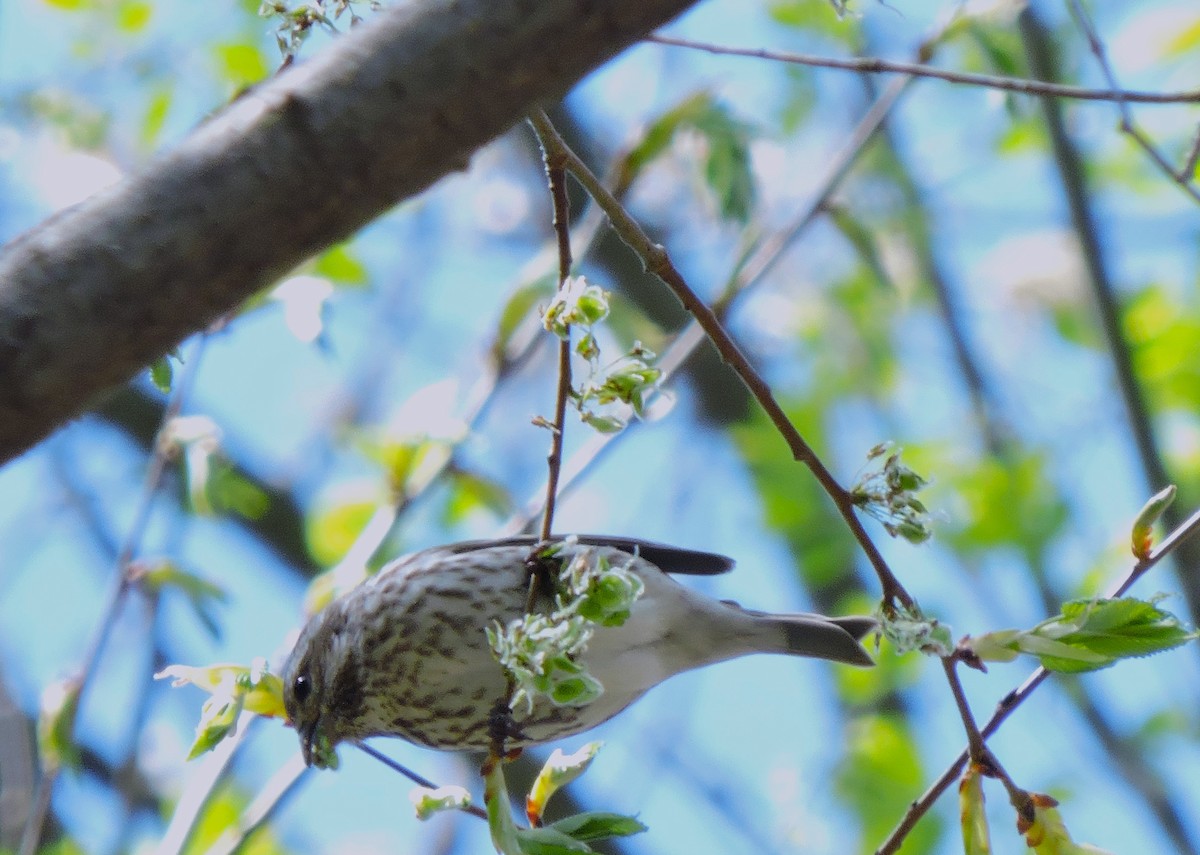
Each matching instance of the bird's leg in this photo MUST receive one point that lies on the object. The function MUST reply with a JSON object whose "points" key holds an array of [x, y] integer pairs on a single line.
{"points": [[501, 728]]}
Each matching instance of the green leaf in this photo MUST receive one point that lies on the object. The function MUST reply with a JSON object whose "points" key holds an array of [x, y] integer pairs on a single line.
{"points": [[474, 492], [56, 725], [973, 814], [155, 116], [241, 64], [341, 266], [427, 801], [231, 689], [598, 825], [558, 771], [548, 841], [161, 374], [230, 490], [520, 306], [1089, 635], [1142, 533], [201, 594], [339, 519], [133, 15], [726, 167]]}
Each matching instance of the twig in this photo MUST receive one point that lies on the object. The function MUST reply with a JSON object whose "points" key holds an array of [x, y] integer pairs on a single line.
{"points": [[998, 437], [1193, 157], [473, 810], [1071, 169], [976, 749], [658, 262], [874, 65], [1084, 20], [557, 176], [269, 799], [757, 264], [1015, 698], [122, 583]]}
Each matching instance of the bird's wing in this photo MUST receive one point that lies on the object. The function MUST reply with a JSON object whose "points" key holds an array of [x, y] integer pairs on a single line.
{"points": [[672, 559]]}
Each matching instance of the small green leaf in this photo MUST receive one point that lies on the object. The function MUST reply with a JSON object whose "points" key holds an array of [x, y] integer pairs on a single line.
{"points": [[474, 492], [602, 424], [520, 306], [908, 629], [726, 167], [1047, 834], [241, 63], [598, 825], [427, 801], [339, 518], [201, 594], [548, 841], [558, 771], [1142, 534], [231, 689], [973, 814], [1089, 635], [340, 265], [230, 490], [56, 725], [155, 117], [162, 373]]}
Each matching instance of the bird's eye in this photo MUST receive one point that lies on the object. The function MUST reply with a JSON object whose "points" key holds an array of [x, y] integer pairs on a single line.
{"points": [[301, 687]]}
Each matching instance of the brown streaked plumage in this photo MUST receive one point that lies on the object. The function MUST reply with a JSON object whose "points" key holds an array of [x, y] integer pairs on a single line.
{"points": [[405, 654]]}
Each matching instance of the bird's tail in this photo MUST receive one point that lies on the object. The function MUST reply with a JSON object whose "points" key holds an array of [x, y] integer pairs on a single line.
{"points": [[820, 637]]}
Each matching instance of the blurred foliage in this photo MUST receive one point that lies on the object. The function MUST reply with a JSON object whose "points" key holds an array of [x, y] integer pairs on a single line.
{"points": [[877, 777]]}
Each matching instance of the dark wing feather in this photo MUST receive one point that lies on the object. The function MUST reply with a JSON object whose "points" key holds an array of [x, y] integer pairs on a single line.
{"points": [[672, 559]]}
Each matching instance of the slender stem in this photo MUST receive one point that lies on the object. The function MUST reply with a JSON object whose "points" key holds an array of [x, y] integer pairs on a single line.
{"points": [[976, 749], [562, 229], [874, 65], [1009, 703], [1084, 20], [659, 263], [751, 271], [283, 783], [473, 810]]}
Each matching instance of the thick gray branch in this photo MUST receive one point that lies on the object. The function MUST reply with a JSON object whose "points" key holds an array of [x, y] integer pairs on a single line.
{"points": [[296, 164]]}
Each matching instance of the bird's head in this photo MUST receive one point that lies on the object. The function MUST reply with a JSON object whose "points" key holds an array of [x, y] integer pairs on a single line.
{"points": [[322, 688]]}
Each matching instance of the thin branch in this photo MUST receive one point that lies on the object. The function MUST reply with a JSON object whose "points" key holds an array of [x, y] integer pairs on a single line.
{"points": [[201, 787], [473, 810], [659, 263], [1073, 174], [269, 799], [1189, 164], [1009, 703], [976, 749], [874, 65], [998, 437], [1084, 20], [557, 177], [760, 261]]}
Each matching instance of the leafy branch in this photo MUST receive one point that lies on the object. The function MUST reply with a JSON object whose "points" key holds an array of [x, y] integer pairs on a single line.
{"points": [[1017, 696], [658, 262]]}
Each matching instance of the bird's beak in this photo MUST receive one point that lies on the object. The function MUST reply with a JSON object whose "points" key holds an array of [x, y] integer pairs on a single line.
{"points": [[308, 737]]}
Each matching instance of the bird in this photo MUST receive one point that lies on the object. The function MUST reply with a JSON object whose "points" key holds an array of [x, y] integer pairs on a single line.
{"points": [[406, 653]]}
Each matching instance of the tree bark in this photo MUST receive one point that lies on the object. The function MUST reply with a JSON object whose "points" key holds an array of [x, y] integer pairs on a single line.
{"points": [[293, 165]]}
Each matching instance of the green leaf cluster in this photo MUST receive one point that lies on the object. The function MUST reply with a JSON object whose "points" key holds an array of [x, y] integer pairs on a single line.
{"points": [[1088, 635]]}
